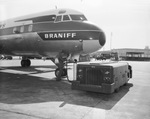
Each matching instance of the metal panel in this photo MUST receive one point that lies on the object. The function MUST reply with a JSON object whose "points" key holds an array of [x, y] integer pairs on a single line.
{"points": [[94, 76], [104, 78]]}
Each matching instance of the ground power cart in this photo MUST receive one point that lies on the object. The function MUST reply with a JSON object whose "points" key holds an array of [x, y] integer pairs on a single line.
{"points": [[101, 77]]}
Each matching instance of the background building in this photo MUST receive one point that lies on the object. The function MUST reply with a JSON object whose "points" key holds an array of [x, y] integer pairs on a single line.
{"points": [[126, 54], [133, 54]]}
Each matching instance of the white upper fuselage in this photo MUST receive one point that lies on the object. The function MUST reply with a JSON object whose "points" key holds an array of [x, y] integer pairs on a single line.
{"points": [[28, 19], [50, 32]]}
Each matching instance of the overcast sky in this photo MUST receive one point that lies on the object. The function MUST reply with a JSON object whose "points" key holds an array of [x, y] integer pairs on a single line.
{"points": [[127, 20]]}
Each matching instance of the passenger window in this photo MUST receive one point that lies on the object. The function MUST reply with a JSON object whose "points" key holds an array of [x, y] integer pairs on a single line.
{"points": [[58, 19], [30, 28], [66, 18], [22, 29]]}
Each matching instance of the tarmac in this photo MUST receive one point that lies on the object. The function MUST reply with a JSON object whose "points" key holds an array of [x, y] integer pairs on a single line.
{"points": [[33, 93]]}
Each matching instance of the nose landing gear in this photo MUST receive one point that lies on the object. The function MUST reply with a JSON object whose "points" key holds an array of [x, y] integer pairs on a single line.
{"points": [[60, 62], [59, 73]]}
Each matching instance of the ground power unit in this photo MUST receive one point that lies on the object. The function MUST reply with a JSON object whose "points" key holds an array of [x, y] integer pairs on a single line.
{"points": [[101, 77]]}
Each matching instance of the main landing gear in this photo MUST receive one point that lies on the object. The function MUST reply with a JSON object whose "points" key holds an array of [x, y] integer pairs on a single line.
{"points": [[25, 62]]}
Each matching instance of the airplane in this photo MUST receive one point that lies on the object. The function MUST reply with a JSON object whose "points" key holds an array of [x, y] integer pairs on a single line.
{"points": [[58, 34]]}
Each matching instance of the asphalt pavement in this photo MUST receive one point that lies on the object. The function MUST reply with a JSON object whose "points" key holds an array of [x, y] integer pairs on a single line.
{"points": [[33, 93]]}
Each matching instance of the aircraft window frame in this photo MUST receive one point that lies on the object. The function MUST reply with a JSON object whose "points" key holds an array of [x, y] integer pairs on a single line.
{"points": [[75, 16], [69, 19], [22, 29], [58, 20], [30, 27]]}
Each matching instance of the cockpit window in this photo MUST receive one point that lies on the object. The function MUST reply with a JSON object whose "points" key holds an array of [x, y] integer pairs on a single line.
{"points": [[72, 17], [66, 18], [58, 18], [78, 17]]}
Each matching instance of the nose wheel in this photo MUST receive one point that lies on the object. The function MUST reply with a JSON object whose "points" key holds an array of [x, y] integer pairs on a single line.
{"points": [[25, 63], [60, 72], [60, 62]]}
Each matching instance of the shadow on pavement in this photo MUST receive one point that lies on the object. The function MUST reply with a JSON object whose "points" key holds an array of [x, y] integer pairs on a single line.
{"points": [[17, 88]]}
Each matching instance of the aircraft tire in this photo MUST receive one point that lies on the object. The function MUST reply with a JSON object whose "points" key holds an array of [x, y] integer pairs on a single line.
{"points": [[64, 73], [25, 63], [117, 90], [28, 62]]}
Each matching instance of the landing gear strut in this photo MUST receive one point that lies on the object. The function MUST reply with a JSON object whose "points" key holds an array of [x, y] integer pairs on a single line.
{"points": [[25, 62]]}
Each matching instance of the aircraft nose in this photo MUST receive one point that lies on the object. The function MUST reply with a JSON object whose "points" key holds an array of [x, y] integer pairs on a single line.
{"points": [[94, 38], [102, 39], [94, 43]]}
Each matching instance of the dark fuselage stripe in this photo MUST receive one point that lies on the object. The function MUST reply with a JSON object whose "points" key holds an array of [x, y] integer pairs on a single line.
{"points": [[69, 35], [49, 26]]}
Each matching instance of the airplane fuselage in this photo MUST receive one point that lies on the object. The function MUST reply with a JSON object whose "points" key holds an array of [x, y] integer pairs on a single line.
{"points": [[47, 35]]}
